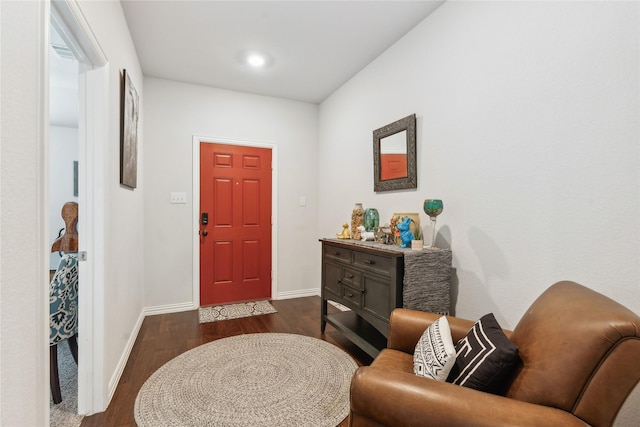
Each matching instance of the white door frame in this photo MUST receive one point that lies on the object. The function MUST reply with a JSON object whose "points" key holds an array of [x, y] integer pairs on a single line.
{"points": [[196, 208], [69, 21]]}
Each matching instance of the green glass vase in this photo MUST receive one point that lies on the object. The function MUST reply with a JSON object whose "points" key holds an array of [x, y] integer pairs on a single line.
{"points": [[371, 219]]}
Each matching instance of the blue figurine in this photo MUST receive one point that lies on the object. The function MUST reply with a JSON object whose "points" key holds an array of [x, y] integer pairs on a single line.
{"points": [[405, 232]]}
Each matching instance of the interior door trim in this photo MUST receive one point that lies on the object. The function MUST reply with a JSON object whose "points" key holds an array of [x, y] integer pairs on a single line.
{"points": [[197, 139], [93, 125]]}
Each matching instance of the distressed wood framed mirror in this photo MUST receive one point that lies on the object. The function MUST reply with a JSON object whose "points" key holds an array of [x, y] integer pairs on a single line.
{"points": [[394, 156]]}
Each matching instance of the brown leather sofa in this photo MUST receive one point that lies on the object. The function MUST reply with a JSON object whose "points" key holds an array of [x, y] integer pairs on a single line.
{"points": [[579, 360]]}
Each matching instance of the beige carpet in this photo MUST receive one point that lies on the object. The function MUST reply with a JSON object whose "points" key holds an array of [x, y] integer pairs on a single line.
{"points": [[65, 414], [267, 380], [234, 311]]}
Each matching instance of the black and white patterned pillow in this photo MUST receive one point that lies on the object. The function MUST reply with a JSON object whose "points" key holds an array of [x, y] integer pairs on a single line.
{"points": [[484, 357], [435, 353]]}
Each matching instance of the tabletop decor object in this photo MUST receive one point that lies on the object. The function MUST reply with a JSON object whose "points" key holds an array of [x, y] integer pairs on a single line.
{"points": [[433, 208], [371, 219], [357, 219], [346, 234], [406, 235], [399, 217], [417, 244]]}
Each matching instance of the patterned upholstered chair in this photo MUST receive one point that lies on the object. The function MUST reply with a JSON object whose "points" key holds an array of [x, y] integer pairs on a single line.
{"points": [[63, 311]]}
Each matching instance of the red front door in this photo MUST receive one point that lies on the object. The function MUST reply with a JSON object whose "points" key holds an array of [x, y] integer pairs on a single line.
{"points": [[235, 237]]}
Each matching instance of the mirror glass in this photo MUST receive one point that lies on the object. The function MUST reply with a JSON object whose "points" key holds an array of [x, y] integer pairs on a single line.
{"points": [[394, 155]]}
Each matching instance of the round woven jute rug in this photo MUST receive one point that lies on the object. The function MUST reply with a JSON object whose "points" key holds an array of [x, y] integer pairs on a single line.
{"points": [[268, 379]]}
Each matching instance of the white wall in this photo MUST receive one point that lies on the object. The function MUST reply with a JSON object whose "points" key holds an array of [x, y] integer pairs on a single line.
{"points": [[63, 151], [174, 113], [527, 129], [124, 272], [24, 389]]}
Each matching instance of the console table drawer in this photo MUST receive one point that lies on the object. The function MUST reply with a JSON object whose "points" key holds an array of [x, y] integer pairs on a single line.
{"points": [[353, 295], [352, 278], [337, 253], [376, 263]]}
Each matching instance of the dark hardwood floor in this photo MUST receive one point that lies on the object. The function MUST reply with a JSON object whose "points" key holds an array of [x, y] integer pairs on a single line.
{"points": [[163, 337]]}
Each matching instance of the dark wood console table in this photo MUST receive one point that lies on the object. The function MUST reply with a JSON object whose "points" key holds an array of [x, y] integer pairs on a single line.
{"points": [[372, 279]]}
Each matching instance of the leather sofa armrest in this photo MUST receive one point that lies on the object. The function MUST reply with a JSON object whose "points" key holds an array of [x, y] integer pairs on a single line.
{"points": [[406, 327], [383, 397]]}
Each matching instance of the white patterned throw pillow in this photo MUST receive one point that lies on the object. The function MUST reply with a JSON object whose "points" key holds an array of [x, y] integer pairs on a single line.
{"points": [[435, 353]]}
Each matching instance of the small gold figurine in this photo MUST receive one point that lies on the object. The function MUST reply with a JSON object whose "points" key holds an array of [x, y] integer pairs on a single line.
{"points": [[345, 232]]}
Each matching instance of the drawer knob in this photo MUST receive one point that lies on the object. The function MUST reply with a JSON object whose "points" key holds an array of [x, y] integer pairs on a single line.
{"points": [[350, 295], [350, 276], [339, 280], [369, 261], [336, 253]]}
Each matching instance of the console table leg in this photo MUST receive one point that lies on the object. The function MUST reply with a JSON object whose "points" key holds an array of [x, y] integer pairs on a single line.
{"points": [[323, 315]]}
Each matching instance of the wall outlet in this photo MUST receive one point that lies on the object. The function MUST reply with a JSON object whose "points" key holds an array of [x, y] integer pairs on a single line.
{"points": [[178, 198]]}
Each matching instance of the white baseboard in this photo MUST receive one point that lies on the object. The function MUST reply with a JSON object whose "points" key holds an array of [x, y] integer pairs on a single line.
{"points": [[147, 311], [169, 308], [115, 378], [298, 294]]}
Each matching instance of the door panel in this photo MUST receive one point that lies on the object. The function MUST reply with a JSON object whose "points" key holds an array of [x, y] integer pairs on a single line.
{"points": [[333, 278], [235, 245], [223, 256], [223, 206], [377, 297], [251, 210]]}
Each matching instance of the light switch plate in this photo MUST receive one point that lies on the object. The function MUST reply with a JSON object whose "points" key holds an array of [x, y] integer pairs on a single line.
{"points": [[178, 198]]}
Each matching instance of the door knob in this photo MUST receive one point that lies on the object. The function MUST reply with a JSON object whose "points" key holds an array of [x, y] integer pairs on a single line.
{"points": [[205, 232]]}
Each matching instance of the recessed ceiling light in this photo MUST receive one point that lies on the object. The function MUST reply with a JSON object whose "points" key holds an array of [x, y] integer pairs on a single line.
{"points": [[256, 60]]}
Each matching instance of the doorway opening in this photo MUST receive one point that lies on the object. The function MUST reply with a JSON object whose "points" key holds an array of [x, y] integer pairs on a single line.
{"points": [[63, 218]]}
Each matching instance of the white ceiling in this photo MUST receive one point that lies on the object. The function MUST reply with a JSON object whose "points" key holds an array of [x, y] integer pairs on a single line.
{"points": [[313, 46]]}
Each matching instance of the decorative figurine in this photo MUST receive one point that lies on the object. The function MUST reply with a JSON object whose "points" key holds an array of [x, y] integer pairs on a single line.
{"points": [[345, 232], [405, 232], [381, 235], [365, 235], [357, 219]]}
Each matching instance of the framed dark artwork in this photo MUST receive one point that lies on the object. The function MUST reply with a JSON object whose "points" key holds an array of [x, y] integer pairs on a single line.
{"points": [[75, 178], [394, 156], [129, 112]]}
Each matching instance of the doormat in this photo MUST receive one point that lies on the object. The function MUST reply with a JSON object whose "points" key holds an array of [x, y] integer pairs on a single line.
{"points": [[234, 311]]}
